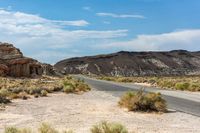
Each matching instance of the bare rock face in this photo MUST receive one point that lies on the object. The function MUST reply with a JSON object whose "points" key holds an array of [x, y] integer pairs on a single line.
{"points": [[13, 63], [50, 70], [177, 62]]}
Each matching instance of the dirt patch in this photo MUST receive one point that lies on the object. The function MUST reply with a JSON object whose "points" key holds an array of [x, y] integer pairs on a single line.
{"points": [[80, 112]]}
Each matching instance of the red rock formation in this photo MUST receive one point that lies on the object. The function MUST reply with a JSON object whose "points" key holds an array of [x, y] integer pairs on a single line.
{"points": [[13, 63]]}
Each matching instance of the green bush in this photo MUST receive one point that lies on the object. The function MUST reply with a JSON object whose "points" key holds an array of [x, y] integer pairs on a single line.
{"points": [[105, 127], [69, 88], [139, 101], [182, 86]]}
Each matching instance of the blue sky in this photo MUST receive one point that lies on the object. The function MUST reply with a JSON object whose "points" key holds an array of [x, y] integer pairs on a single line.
{"points": [[50, 30]]}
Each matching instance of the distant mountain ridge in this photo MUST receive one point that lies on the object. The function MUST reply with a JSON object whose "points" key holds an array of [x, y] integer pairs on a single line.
{"points": [[124, 63]]}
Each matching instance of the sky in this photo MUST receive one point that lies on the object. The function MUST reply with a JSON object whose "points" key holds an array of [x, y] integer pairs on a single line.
{"points": [[52, 30]]}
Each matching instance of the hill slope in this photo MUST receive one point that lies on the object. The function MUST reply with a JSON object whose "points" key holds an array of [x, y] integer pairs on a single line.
{"points": [[177, 62]]}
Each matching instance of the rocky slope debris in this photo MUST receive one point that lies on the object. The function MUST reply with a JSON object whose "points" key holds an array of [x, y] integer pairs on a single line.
{"points": [[177, 62]]}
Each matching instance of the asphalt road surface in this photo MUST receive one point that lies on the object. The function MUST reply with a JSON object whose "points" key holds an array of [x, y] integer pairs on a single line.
{"points": [[175, 101]]}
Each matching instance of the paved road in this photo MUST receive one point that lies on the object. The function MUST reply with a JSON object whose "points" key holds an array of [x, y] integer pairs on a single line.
{"points": [[178, 103]]}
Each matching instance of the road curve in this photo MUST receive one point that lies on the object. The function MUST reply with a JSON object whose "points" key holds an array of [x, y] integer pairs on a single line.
{"points": [[174, 102]]}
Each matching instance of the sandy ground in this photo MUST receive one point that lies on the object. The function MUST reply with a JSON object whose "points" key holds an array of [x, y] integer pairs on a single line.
{"points": [[80, 112]]}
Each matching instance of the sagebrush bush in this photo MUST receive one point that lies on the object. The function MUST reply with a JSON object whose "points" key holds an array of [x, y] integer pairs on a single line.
{"points": [[3, 96], [44, 93], [139, 101], [182, 86], [11, 130], [106, 127], [46, 128], [68, 88], [16, 130]]}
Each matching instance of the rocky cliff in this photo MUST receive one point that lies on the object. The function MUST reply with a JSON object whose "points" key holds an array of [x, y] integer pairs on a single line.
{"points": [[177, 62], [13, 63]]}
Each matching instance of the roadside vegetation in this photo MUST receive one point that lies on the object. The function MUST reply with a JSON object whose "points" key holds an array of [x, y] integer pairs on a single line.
{"points": [[11, 88], [185, 83], [145, 102]]}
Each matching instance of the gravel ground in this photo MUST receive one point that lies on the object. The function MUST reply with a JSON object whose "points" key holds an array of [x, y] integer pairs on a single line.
{"points": [[80, 112]]}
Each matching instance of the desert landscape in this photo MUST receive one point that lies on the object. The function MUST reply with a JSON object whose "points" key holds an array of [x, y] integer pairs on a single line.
{"points": [[80, 112], [89, 66]]}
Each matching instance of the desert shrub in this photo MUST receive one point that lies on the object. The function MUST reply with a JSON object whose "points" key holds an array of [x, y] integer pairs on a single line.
{"points": [[46, 128], [3, 96], [182, 86], [16, 130], [16, 90], [4, 100], [11, 88], [139, 101], [25, 130], [194, 87], [105, 127], [82, 87], [4, 92], [33, 91], [68, 88], [44, 93], [11, 130], [70, 131]]}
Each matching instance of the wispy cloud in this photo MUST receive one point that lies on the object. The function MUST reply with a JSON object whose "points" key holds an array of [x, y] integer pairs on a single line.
{"points": [[106, 22], [104, 14], [34, 34], [6, 8], [184, 39], [71, 23], [23, 18], [87, 8]]}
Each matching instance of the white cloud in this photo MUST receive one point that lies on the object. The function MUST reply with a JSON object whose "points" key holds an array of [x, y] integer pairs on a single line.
{"points": [[72, 23], [34, 34], [104, 14], [185, 39], [23, 18], [87, 8], [106, 22]]}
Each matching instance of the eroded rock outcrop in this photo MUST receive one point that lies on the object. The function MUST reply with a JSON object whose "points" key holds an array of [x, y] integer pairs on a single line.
{"points": [[177, 62], [13, 63]]}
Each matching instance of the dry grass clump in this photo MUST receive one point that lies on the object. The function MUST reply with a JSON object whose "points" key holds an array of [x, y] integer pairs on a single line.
{"points": [[11, 88], [102, 127], [3, 96], [73, 86], [184, 83], [44, 128], [106, 127], [139, 101], [16, 130]]}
